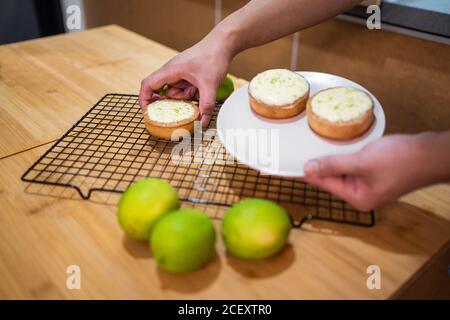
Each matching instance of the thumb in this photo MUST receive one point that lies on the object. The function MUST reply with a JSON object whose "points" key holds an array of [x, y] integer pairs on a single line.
{"points": [[207, 102], [332, 165]]}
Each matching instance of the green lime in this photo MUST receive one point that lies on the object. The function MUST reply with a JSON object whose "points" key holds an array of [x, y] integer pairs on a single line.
{"points": [[163, 91], [143, 203], [255, 229], [183, 240], [225, 89]]}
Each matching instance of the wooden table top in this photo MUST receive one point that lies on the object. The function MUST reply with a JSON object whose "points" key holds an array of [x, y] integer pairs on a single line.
{"points": [[48, 84]]}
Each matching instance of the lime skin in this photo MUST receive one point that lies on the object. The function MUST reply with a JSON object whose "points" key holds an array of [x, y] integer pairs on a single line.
{"points": [[183, 241], [143, 203], [255, 229], [225, 89]]}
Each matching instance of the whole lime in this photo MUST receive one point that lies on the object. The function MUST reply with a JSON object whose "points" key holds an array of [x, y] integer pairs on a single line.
{"points": [[225, 89], [143, 203], [183, 240], [255, 229]]}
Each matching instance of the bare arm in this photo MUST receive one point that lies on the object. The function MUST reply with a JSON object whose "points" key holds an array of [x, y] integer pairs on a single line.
{"points": [[262, 21], [199, 69]]}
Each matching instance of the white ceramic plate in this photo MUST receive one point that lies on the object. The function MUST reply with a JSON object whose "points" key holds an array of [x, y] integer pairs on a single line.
{"points": [[282, 147]]}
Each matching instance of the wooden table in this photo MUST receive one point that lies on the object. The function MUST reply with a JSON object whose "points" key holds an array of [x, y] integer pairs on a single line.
{"points": [[47, 84]]}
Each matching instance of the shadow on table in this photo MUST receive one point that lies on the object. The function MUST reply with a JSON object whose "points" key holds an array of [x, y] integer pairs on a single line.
{"points": [[201, 279], [399, 227], [137, 249], [109, 198], [192, 281], [181, 282], [60, 192], [263, 268]]}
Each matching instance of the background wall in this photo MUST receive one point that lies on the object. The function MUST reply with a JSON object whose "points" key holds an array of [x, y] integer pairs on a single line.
{"points": [[13, 11], [22, 20], [411, 77]]}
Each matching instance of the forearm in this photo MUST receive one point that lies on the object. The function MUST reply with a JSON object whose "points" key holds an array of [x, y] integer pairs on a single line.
{"points": [[262, 21], [434, 154]]}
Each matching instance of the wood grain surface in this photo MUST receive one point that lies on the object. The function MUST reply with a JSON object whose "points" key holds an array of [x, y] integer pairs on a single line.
{"points": [[44, 230]]}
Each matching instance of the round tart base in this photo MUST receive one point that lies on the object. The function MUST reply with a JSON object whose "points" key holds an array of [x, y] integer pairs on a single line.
{"points": [[165, 130], [279, 112]]}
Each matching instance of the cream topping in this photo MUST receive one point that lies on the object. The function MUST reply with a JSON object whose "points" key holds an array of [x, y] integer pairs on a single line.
{"points": [[278, 87], [167, 111], [341, 104]]}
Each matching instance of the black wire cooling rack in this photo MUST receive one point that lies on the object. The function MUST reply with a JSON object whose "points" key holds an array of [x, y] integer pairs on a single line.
{"points": [[109, 148]]}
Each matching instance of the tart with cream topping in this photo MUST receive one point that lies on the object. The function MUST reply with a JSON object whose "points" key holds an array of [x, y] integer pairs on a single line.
{"points": [[340, 113], [278, 93], [163, 117]]}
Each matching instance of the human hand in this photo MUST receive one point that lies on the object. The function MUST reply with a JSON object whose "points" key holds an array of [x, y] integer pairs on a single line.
{"points": [[381, 172], [196, 72]]}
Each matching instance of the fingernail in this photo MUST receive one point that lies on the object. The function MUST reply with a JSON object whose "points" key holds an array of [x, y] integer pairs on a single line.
{"points": [[311, 167], [205, 120]]}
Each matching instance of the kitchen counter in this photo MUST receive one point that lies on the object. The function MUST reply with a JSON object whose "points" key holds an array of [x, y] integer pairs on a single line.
{"points": [[48, 84]]}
